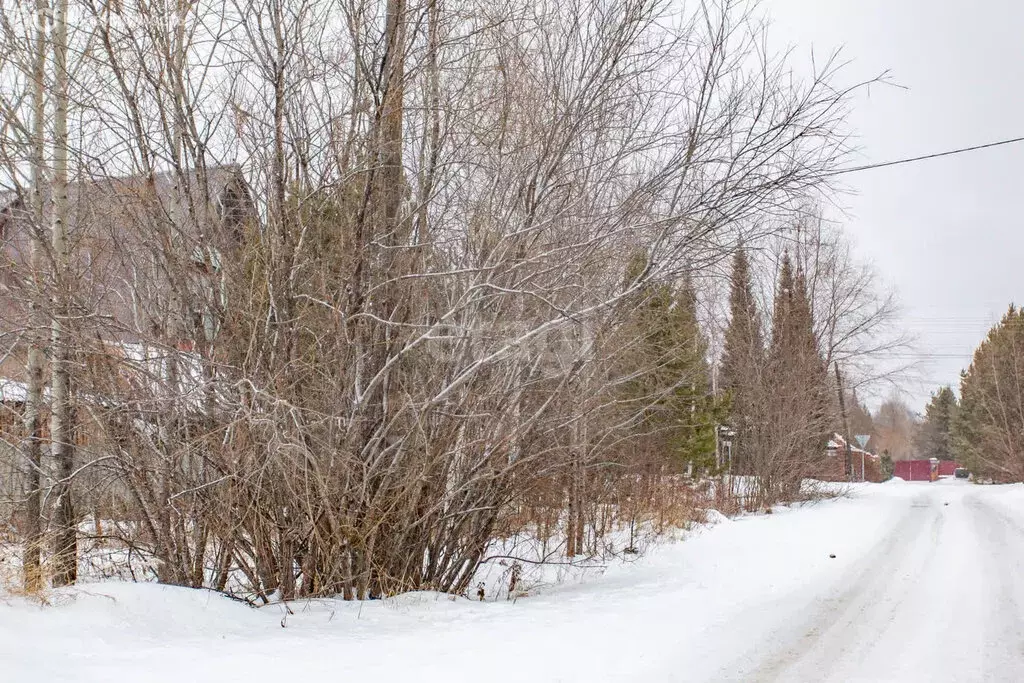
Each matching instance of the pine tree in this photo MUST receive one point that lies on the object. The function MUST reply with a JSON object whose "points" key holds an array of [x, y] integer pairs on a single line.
{"points": [[935, 438]]}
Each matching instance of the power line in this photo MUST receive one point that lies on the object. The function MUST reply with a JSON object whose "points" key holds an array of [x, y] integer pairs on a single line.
{"points": [[897, 162]]}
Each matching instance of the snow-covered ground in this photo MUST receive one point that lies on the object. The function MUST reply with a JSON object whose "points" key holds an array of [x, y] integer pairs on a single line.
{"points": [[927, 584]]}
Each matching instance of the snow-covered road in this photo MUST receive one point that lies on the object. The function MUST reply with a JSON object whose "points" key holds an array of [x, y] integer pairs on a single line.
{"points": [[927, 584], [937, 598]]}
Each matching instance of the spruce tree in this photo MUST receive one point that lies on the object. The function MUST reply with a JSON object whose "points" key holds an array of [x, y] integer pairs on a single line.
{"points": [[697, 412], [989, 428], [782, 341], [742, 363], [817, 386], [935, 438], [743, 351], [797, 378], [670, 374], [794, 346]]}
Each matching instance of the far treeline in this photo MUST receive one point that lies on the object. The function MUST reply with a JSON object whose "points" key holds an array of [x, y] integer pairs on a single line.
{"points": [[314, 298], [983, 429]]}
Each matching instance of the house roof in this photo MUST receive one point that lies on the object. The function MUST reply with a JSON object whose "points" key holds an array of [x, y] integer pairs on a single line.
{"points": [[838, 443], [133, 242], [12, 391], [174, 196]]}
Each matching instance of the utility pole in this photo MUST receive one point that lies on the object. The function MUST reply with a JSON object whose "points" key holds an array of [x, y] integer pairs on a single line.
{"points": [[848, 464]]}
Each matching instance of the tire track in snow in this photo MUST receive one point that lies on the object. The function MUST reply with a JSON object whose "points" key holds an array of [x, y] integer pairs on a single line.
{"points": [[868, 597], [1003, 571]]}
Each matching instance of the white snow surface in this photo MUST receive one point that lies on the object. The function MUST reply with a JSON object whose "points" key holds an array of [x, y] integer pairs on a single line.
{"points": [[927, 584]]}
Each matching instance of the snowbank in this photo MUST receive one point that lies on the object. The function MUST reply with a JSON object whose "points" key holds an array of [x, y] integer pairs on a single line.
{"points": [[683, 612]]}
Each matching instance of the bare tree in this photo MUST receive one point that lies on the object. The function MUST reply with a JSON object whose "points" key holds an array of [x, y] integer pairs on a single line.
{"points": [[896, 428]]}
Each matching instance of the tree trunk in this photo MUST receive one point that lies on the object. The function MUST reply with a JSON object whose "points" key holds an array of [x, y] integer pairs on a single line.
{"points": [[32, 445], [61, 427]]}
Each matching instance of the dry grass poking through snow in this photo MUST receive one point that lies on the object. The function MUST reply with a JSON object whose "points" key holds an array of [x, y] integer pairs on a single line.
{"points": [[528, 554]]}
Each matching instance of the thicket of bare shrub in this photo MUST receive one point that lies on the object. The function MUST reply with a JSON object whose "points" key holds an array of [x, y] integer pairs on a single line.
{"points": [[310, 298]]}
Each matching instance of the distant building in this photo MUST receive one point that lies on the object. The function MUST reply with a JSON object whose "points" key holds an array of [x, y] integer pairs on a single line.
{"points": [[147, 255], [924, 470], [866, 465]]}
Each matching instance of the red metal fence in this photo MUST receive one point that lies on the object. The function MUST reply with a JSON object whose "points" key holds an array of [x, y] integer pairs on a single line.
{"points": [[924, 470], [913, 470]]}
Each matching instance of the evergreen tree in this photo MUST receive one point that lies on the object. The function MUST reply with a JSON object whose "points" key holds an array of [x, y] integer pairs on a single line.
{"points": [[742, 363], [989, 429], [818, 387], [697, 411], [797, 378], [783, 315], [743, 353], [671, 374], [935, 437], [887, 466], [794, 354], [691, 346]]}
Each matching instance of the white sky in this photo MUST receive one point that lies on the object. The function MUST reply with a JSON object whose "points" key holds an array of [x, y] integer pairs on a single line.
{"points": [[946, 233]]}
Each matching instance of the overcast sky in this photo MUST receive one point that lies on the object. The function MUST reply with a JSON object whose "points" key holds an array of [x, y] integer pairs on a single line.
{"points": [[946, 233]]}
